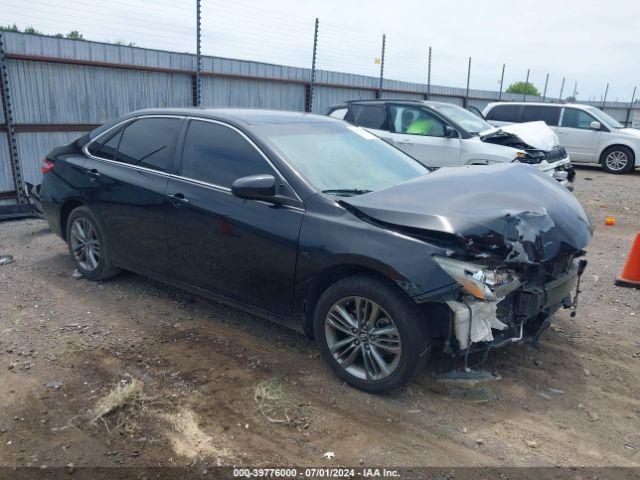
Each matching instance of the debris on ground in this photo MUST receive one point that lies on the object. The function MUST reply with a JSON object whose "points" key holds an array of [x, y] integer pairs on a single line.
{"points": [[6, 259], [329, 455], [125, 393]]}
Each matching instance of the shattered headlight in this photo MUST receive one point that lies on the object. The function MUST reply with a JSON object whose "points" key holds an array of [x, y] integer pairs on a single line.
{"points": [[479, 280]]}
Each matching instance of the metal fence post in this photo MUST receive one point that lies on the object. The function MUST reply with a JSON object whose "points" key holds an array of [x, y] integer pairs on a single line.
{"points": [[12, 145], [429, 76], [198, 101], [633, 96], [546, 82], [604, 99], [561, 89], [384, 41], [466, 93], [312, 79], [526, 84], [501, 83]]}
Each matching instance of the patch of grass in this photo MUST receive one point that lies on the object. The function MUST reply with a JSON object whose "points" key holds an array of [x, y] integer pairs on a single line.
{"points": [[124, 394], [275, 405]]}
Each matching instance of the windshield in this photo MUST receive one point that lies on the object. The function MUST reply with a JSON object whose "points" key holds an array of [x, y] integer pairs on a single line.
{"points": [[606, 119], [467, 120], [340, 159]]}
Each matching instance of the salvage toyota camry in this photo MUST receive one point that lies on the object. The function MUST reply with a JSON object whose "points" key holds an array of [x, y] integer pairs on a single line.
{"points": [[322, 226]]}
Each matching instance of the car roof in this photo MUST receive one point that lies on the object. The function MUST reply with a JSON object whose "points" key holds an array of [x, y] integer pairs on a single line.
{"points": [[396, 100], [249, 116], [546, 104]]}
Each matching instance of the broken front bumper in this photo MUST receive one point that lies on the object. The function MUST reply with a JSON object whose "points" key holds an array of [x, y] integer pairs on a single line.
{"points": [[561, 170], [505, 320]]}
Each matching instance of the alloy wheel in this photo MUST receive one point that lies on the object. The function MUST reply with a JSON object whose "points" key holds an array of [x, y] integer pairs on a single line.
{"points": [[363, 339], [617, 160], [85, 244]]}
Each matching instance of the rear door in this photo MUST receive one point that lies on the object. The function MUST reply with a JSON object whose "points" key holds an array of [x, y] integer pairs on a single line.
{"points": [[421, 134], [576, 135], [243, 249], [128, 170]]}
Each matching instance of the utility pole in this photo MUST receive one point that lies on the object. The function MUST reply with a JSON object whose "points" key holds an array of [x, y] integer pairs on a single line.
{"points": [[384, 41], [604, 99], [501, 83], [429, 75], [312, 80], [466, 95], [575, 91], [198, 101], [544, 94], [561, 89], [633, 96], [526, 84]]}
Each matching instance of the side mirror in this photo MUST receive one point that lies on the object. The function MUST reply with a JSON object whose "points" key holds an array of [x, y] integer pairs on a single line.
{"points": [[450, 132], [255, 187], [595, 125]]}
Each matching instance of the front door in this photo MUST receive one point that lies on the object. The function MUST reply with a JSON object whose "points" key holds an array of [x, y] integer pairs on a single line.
{"points": [[421, 134], [243, 249], [127, 173], [576, 135]]}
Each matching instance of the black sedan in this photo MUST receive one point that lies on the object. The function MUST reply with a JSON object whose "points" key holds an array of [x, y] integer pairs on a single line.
{"points": [[320, 225]]}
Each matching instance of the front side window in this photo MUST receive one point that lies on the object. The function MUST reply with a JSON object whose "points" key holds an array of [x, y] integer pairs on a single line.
{"points": [[149, 143], [219, 155], [471, 122], [336, 156], [534, 113], [574, 118], [415, 121], [607, 119], [368, 116], [505, 113]]}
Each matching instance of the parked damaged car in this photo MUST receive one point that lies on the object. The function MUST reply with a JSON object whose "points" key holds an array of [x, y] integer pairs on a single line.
{"points": [[440, 134], [323, 227]]}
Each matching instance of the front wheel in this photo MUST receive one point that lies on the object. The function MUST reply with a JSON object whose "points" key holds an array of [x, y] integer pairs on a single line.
{"points": [[617, 159], [369, 334], [88, 246]]}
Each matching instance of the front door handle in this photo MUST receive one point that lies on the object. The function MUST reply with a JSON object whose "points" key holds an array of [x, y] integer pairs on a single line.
{"points": [[404, 142], [178, 200], [93, 174]]}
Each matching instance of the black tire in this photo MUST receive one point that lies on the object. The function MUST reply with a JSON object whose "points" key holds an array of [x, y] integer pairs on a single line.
{"points": [[623, 154], [413, 336], [104, 269]]}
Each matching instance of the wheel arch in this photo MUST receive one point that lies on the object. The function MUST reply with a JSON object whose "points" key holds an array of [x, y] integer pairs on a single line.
{"points": [[68, 206], [618, 143]]}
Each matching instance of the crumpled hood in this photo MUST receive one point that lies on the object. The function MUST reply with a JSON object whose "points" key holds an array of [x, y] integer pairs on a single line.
{"points": [[536, 134], [505, 212]]}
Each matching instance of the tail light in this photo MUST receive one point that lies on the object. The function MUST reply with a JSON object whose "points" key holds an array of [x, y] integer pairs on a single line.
{"points": [[47, 166]]}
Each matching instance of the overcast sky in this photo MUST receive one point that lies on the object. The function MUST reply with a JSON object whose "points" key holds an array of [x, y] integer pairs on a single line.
{"points": [[591, 42]]}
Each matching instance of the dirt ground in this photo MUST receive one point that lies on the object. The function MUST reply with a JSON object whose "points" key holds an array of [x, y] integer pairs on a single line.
{"points": [[130, 372]]}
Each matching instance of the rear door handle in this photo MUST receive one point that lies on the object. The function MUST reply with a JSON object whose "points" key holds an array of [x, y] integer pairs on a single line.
{"points": [[93, 174], [178, 200]]}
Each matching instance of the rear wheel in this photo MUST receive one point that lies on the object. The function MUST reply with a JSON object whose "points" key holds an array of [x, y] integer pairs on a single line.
{"points": [[87, 245], [369, 334], [617, 159]]}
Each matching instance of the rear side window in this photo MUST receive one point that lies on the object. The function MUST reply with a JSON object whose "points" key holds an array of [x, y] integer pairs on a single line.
{"points": [[219, 155], [149, 142], [107, 148], [338, 113], [368, 116], [575, 118], [534, 113], [505, 113]]}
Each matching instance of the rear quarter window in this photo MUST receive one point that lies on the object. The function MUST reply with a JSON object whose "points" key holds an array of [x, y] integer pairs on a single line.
{"points": [[368, 116]]}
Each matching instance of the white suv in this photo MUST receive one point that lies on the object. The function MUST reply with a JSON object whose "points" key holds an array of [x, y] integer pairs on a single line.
{"points": [[588, 134], [440, 134]]}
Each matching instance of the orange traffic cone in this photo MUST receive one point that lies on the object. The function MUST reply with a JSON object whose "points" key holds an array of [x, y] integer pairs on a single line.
{"points": [[630, 276]]}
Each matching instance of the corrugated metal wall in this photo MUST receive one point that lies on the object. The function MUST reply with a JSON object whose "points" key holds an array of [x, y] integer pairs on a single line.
{"points": [[61, 86]]}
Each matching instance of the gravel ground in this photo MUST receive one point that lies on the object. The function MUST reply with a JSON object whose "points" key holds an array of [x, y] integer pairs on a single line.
{"points": [[130, 372]]}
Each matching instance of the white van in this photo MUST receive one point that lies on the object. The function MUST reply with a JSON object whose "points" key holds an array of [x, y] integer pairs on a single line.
{"points": [[588, 134], [439, 134]]}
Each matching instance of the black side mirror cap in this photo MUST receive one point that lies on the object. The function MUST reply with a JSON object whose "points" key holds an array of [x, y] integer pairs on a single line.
{"points": [[256, 187]]}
